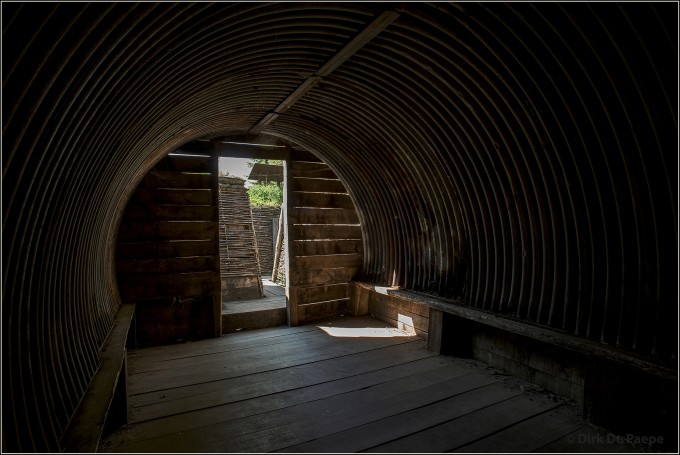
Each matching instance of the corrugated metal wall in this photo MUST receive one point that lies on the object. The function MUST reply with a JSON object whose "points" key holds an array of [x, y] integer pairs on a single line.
{"points": [[519, 158], [515, 158]]}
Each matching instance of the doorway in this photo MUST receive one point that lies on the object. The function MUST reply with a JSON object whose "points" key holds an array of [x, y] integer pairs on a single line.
{"points": [[250, 200]]}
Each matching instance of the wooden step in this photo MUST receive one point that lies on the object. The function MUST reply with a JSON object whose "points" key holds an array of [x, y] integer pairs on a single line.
{"points": [[251, 320]]}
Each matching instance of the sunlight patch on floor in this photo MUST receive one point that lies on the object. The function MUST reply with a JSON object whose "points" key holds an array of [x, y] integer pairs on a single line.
{"points": [[364, 332]]}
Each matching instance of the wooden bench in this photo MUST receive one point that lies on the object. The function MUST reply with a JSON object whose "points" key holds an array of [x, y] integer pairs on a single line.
{"points": [[618, 389]]}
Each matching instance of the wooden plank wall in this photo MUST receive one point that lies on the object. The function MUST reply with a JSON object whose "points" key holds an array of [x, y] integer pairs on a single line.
{"points": [[324, 240], [167, 255], [407, 315], [239, 264]]}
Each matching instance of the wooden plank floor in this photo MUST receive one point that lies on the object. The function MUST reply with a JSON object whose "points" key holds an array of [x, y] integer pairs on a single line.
{"points": [[274, 298], [345, 385]]}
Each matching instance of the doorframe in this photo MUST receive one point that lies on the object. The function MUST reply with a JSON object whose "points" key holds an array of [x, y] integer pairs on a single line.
{"points": [[252, 146]]}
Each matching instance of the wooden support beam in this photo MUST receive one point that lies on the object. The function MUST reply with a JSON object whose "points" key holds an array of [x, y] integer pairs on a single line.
{"points": [[217, 293], [262, 172], [291, 299], [248, 138], [358, 298], [359, 41], [269, 117], [434, 331], [370, 32], [298, 93], [279, 246], [233, 150]]}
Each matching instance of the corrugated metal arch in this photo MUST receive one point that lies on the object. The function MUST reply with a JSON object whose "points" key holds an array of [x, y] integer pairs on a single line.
{"points": [[517, 158]]}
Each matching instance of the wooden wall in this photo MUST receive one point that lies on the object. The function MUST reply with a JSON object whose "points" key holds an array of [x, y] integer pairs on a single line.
{"points": [[167, 251], [323, 239], [405, 315]]}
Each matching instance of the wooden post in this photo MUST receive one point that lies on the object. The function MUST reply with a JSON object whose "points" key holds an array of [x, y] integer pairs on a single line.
{"points": [[448, 334], [279, 245], [217, 289], [358, 298], [260, 286], [435, 328], [291, 295]]}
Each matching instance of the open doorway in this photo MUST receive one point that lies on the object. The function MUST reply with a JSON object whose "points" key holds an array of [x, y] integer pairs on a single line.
{"points": [[169, 261], [250, 199]]}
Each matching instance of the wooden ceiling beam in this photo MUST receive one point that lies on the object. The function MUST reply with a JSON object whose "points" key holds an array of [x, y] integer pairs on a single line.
{"points": [[235, 150], [359, 41]]}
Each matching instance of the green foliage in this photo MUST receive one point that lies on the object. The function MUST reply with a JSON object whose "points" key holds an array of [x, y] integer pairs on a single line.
{"points": [[265, 194], [265, 161]]}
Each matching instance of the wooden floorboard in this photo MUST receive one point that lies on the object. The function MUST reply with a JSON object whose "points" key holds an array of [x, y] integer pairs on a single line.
{"points": [[257, 349], [471, 427], [319, 419], [276, 429], [299, 389], [169, 402], [254, 361], [377, 432], [225, 351], [344, 377], [530, 435], [212, 345]]}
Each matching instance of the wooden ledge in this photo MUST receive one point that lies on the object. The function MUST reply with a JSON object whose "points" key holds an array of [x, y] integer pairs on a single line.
{"points": [[87, 424], [567, 341]]}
